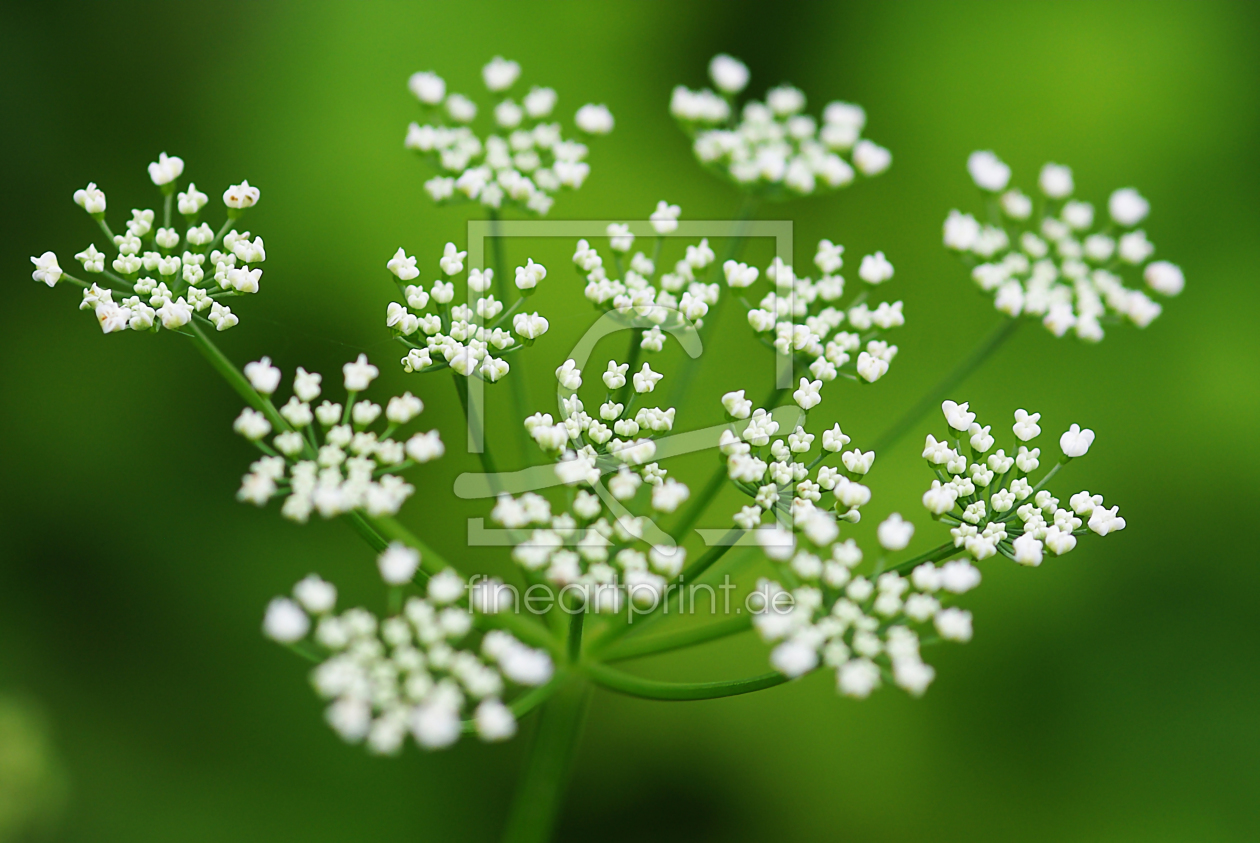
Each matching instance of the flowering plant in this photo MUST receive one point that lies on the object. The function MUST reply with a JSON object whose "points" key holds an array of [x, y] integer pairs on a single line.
{"points": [[601, 527]]}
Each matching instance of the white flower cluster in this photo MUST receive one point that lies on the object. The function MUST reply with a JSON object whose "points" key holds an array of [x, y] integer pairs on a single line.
{"points": [[159, 271], [523, 164], [464, 337], [641, 295], [328, 459], [1046, 258], [866, 628], [799, 315], [990, 499], [775, 150], [782, 480], [422, 672], [605, 546]]}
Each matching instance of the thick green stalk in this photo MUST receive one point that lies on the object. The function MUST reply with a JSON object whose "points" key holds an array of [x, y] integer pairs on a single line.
{"points": [[653, 644], [621, 624], [367, 531], [932, 400], [474, 421], [519, 386], [624, 683], [936, 554], [701, 502], [233, 376], [540, 791], [575, 635]]}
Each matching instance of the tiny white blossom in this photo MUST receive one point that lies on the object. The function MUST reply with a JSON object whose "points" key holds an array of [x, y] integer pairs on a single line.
{"points": [[1128, 207], [1055, 181], [729, 74], [645, 379], [1075, 442], [988, 171], [46, 269], [398, 563], [166, 169], [241, 196], [1026, 427], [402, 266], [90, 199], [808, 395], [875, 269], [665, 218], [895, 532], [190, 202], [452, 261], [285, 621], [263, 376], [500, 74], [569, 375], [427, 87], [359, 374], [594, 119]]}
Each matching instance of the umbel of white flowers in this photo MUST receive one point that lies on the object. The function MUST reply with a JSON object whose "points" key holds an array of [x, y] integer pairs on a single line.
{"points": [[470, 337], [990, 499], [803, 318], [797, 316], [421, 672], [1051, 259], [523, 162], [865, 627], [164, 273], [332, 458], [868, 626], [774, 149], [603, 548]]}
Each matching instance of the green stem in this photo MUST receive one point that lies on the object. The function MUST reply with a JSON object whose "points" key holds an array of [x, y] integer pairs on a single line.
{"points": [[233, 376], [995, 340], [631, 361], [624, 683], [540, 790], [622, 623], [687, 371], [699, 504], [367, 531], [474, 421], [523, 704], [934, 555], [654, 644], [715, 482], [385, 526], [519, 386], [1049, 474], [531, 632], [575, 635]]}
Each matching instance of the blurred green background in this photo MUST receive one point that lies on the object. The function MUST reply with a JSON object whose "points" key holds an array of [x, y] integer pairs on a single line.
{"points": [[1108, 696]]}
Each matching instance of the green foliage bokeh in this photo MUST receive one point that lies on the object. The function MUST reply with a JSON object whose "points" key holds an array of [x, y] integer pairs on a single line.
{"points": [[1107, 696]]}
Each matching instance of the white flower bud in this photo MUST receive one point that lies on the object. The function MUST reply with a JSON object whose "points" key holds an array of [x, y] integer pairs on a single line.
{"points": [[241, 196], [90, 199], [1127, 207], [1075, 442], [166, 169], [1055, 181], [594, 119], [988, 171], [500, 74], [729, 74]]}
